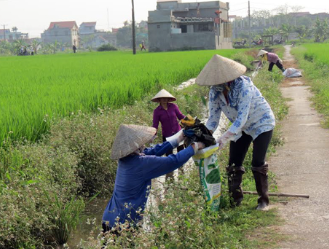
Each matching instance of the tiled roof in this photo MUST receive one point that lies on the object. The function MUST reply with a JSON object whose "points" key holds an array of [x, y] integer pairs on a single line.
{"points": [[88, 23], [69, 24]]}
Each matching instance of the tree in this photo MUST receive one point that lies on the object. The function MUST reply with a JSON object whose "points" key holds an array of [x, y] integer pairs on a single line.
{"points": [[5, 47], [35, 45], [261, 16], [320, 30], [271, 31], [14, 29], [124, 38], [18, 44], [285, 30]]}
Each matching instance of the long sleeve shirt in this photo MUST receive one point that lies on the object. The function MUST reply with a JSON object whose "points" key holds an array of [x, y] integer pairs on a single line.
{"points": [[272, 57], [168, 119], [133, 181], [245, 107]]}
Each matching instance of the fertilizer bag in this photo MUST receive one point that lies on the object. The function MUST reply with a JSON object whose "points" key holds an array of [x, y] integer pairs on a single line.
{"points": [[207, 161]]}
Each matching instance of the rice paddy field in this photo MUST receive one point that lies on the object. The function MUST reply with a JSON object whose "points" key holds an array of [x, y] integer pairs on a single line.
{"points": [[37, 89], [314, 59], [317, 52]]}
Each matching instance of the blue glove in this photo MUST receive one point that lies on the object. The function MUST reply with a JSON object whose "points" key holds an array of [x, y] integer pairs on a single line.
{"points": [[189, 133]]}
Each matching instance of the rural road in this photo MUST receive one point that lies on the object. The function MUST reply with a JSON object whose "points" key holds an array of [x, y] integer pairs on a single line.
{"points": [[301, 166]]}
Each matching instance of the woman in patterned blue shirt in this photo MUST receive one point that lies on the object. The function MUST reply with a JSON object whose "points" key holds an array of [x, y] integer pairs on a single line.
{"points": [[252, 121]]}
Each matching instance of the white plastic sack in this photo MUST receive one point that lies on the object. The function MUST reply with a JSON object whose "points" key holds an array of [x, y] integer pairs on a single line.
{"points": [[209, 173], [292, 73]]}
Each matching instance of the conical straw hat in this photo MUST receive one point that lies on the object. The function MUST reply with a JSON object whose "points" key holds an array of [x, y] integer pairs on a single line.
{"points": [[261, 52], [163, 94], [220, 70], [129, 138]]}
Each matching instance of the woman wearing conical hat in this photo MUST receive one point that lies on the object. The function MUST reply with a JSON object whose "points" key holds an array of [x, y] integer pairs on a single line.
{"points": [[252, 119], [272, 58], [168, 114], [137, 165]]}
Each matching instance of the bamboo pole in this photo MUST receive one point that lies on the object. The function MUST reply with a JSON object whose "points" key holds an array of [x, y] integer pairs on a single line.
{"points": [[278, 194]]}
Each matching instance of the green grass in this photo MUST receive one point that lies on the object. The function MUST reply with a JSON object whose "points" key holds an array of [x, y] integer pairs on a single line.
{"points": [[82, 143], [183, 221], [314, 60], [35, 89]]}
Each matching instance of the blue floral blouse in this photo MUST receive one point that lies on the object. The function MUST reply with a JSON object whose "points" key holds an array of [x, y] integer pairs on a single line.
{"points": [[246, 108]]}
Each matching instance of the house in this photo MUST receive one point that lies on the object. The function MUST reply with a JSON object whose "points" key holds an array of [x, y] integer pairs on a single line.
{"points": [[87, 28], [98, 39], [179, 26], [66, 32], [90, 37], [6, 34]]}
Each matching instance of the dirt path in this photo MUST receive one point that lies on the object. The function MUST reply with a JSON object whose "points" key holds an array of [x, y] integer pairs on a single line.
{"points": [[302, 167]]}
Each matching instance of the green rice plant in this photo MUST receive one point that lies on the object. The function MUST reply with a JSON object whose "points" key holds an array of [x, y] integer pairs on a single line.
{"points": [[64, 215], [37, 89], [314, 60]]}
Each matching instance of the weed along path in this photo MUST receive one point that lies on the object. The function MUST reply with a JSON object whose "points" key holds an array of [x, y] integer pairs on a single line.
{"points": [[302, 167]]}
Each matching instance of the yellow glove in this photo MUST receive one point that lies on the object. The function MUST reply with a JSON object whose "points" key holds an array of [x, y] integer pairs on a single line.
{"points": [[187, 121]]}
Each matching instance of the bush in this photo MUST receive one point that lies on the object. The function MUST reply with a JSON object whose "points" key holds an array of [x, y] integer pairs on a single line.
{"points": [[31, 171], [106, 47]]}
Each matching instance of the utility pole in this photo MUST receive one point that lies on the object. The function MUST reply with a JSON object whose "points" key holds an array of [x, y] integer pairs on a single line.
{"points": [[108, 23], [133, 27], [249, 23], [4, 32]]}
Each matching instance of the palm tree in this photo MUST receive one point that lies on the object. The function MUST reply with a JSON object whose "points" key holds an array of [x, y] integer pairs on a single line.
{"points": [[14, 29], [285, 30], [35, 45], [320, 30], [302, 32], [18, 44]]}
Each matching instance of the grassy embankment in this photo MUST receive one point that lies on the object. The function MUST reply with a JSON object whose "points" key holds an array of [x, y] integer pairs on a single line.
{"points": [[314, 60], [40, 181], [183, 221]]}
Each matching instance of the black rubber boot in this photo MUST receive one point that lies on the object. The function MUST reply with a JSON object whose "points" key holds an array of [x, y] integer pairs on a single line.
{"points": [[260, 175], [234, 174]]}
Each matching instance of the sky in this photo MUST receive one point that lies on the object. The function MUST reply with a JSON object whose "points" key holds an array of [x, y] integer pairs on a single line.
{"points": [[34, 16]]}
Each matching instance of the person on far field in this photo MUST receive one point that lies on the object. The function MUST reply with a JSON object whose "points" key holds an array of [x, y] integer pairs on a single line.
{"points": [[272, 58], [142, 46], [252, 121], [137, 166], [74, 49], [167, 114]]}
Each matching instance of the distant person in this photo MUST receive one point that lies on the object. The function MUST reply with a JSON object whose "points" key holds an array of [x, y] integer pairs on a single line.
{"points": [[142, 46], [31, 50], [272, 58], [74, 49], [168, 115]]}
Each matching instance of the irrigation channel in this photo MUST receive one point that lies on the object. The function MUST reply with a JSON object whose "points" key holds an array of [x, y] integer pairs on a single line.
{"points": [[94, 210]]}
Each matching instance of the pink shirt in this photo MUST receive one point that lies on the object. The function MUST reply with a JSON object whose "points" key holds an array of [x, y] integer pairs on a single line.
{"points": [[168, 119], [272, 57]]}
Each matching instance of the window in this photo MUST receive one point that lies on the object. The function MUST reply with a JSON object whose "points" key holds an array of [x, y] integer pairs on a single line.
{"points": [[183, 28], [203, 27]]}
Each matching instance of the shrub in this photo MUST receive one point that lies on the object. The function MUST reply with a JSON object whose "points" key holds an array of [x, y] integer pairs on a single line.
{"points": [[106, 47], [31, 171]]}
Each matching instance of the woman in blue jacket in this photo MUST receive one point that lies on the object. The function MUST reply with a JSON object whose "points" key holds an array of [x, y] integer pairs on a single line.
{"points": [[137, 166]]}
